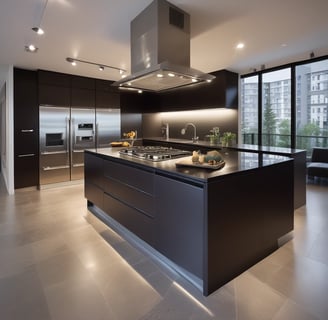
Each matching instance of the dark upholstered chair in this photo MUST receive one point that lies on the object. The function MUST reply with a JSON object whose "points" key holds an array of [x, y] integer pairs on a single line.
{"points": [[318, 167]]}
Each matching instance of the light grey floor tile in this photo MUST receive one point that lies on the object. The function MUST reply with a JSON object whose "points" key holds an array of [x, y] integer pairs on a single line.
{"points": [[22, 297], [58, 261]]}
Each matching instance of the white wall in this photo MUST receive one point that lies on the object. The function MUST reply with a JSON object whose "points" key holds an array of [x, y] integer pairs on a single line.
{"points": [[7, 126]]}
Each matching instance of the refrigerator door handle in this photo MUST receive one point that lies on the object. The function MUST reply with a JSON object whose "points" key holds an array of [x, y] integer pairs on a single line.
{"points": [[67, 134], [96, 135], [27, 130], [76, 165], [54, 152], [54, 168], [78, 151], [26, 155]]}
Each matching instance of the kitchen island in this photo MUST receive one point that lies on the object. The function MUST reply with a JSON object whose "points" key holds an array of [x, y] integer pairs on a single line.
{"points": [[214, 224]]}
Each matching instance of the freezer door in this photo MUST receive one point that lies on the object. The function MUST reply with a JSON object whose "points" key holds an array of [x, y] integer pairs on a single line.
{"points": [[82, 137], [108, 126], [54, 144]]}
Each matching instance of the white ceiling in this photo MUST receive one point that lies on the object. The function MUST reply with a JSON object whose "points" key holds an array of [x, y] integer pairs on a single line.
{"points": [[274, 32]]}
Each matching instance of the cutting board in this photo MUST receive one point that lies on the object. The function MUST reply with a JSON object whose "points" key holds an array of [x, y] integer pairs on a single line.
{"points": [[188, 163]]}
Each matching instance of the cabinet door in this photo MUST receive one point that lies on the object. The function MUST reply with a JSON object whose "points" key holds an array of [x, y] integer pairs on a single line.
{"points": [[26, 129], [180, 223], [54, 95], [84, 98], [222, 92], [93, 179], [54, 88]]}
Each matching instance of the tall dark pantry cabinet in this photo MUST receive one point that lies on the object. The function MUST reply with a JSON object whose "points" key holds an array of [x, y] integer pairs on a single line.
{"points": [[26, 129]]}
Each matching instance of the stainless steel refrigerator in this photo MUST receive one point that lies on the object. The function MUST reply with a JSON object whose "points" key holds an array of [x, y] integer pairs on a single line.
{"points": [[64, 135]]}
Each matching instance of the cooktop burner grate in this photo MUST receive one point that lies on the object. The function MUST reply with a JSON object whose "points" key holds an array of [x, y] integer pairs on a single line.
{"points": [[154, 153]]}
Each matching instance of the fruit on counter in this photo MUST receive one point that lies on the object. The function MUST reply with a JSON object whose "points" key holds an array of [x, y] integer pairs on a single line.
{"points": [[131, 135], [212, 156], [125, 144], [195, 156]]}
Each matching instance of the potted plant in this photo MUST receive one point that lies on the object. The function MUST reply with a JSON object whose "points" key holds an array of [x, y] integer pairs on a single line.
{"points": [[227, 138], [214, 135]]}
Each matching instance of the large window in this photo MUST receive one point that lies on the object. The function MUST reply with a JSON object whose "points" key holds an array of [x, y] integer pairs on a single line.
{"points": [[276, 108], [287, 106], [249, 110], [312, 105]]}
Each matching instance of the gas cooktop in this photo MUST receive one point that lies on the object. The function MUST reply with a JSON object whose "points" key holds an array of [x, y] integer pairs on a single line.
{"points": [[154, 153]]}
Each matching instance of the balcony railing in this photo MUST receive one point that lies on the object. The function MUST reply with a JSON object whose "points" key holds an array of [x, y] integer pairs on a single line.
{"points": [[281, 140]]}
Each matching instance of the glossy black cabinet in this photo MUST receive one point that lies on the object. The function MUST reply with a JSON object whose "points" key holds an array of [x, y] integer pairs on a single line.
{"points": [[94, 176], [180, 223], [26, 129], [107, 96], [54, 88], [83, 92], [129, 198], [222, 92]]}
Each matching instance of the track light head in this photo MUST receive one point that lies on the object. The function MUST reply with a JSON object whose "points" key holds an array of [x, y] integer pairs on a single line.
{"points": [[38, 30], [71, 61]]}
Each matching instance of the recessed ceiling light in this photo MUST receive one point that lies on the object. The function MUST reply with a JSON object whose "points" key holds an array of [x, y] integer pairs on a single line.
{"points": [[194, 80], [159, 75], [240, 45], [283, 45], [31, 48], [171, 74]]}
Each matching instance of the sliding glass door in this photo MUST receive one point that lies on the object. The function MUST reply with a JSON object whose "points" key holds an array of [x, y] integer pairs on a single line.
{"points": [[276, 108], [249, 109]]}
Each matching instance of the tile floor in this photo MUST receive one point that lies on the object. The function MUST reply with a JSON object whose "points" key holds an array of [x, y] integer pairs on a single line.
{"points": [[58, 262]]}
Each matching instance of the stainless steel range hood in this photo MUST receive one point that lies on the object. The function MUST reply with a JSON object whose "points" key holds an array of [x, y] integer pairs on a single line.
{"points": [[160, 50]]}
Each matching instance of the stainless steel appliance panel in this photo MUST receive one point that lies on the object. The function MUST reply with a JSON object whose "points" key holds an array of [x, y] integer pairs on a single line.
{"points": [[54, 144], [82, 137], [108, 126]]}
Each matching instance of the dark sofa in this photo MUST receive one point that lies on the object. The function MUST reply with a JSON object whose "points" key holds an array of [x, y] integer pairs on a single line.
{"points": [[318, 167]]}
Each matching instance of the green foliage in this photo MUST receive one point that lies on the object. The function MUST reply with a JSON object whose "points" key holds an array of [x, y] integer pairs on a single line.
{"points": [[269, 125], [284, 132]]}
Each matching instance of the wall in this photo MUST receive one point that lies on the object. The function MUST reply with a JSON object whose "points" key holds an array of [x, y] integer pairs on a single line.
{"points": [[204, 120], [7, 136]]}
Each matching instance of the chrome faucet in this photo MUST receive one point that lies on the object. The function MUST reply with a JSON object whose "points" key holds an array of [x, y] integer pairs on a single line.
{"points": [[166, 129], [183, 131]]}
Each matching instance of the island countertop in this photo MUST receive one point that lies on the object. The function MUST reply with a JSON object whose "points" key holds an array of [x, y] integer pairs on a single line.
{"points": [[236, 162]]}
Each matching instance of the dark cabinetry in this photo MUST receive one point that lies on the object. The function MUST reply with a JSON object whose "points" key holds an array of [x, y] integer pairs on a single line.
{"points": [[180, 223], [222, 92], [83, 92], [129, 198], [106, 95], [54, 88], [26, 129], [93, 186]]}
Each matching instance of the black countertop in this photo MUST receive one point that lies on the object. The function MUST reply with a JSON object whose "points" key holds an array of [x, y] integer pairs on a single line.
{"points": [[240, 147], [236, 162]]}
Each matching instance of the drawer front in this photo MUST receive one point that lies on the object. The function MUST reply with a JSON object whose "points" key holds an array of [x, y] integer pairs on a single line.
{"points": [[94, 194], [133, 197], [93, 167], [133, 220], [134, 177]]}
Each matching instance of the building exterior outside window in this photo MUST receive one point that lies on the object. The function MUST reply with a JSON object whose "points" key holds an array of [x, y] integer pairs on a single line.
{"points": [[311, 107]]}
